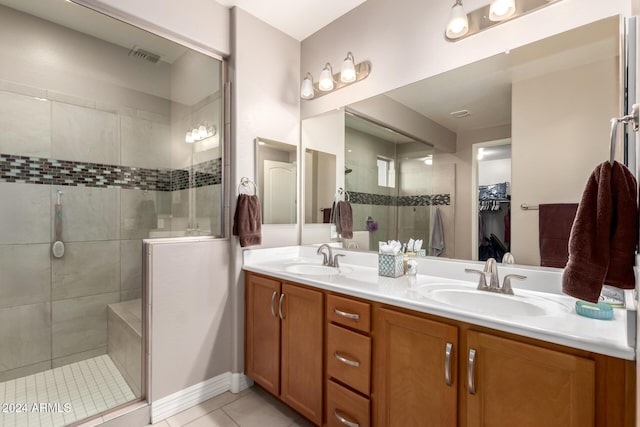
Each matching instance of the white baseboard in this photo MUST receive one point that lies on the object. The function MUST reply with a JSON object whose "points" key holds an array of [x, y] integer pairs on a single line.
{"points": [[198, 393]]}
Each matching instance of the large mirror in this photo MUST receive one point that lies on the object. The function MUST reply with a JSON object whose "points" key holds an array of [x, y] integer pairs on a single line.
{"points": [[539, 113], [276, 176]]}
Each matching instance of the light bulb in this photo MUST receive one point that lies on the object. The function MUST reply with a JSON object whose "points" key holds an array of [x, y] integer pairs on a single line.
{"points": [[326, 79], [195, 134], [502, 9], [189, 138], [306, 91], [202, 132], [428, 160], [348, 70], [458, 24]]}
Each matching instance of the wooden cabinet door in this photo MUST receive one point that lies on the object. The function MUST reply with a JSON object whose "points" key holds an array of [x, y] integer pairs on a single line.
{"points": [[411, 387], [262, 332], [522, 385], [302, 341]]}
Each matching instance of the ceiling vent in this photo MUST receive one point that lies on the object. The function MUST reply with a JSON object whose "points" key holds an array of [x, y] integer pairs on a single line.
{"points": [[460, 114], [145, 55]]}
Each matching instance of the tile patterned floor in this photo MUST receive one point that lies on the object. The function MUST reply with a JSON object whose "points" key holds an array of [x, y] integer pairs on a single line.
{"points": [[73, 392], [251, 408]]}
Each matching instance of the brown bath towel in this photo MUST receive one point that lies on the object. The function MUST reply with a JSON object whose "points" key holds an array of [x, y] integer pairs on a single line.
{"points": [[555, 222], [604, 234], [344, 219], [247, 220]]}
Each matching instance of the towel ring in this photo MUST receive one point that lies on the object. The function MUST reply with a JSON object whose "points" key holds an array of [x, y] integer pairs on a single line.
{"points": [[244, 184], [634, 118], [342, 194]]}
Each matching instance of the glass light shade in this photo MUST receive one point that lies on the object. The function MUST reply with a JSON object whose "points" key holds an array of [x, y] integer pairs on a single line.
{"points": [[326, 79], [202, 131], [458, 24], [195, 134], [306, 91], [348, 70], [502, 9], [189, 138], [428, 161]]}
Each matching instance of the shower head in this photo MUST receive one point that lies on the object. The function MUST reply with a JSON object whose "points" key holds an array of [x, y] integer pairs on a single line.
{"points": [[347, 170]]}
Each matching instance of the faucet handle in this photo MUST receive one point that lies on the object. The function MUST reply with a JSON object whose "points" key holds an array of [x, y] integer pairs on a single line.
{"points": [[336, 263], [482, 282], [506, 285]]}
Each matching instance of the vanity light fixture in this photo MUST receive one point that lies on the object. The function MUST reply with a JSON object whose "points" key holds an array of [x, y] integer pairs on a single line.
{"points": [[200, 132], [458, 24], [461, 24], [350, 73], [502, 9]]}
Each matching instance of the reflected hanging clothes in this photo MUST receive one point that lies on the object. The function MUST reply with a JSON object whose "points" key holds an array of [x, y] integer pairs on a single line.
{"points": [[437, 234]]}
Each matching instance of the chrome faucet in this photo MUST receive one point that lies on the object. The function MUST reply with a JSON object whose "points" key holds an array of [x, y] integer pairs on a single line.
{"points": [[490, 272]]}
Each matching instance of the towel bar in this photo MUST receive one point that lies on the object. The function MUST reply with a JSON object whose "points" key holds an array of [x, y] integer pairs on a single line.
{"points": [[526, 207]]}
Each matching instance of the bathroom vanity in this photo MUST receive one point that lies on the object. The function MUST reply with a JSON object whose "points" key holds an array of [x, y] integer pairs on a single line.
{"points": [[347, 347]]}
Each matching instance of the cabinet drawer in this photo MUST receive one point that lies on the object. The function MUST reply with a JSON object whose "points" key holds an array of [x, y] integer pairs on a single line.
{"points": [[345, 406], [349, 358], [345, 311]]}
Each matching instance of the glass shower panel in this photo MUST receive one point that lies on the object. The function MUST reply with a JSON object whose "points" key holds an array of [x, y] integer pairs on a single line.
{"points": [[108, 135]]}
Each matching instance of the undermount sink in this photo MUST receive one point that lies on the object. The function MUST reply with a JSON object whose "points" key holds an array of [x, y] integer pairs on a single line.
{"points": [[484, 302], [315, 269]]}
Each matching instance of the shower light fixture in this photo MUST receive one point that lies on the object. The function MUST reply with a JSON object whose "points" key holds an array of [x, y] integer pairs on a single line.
{"points": [[328, 82], [200, 132], [463, 24]]}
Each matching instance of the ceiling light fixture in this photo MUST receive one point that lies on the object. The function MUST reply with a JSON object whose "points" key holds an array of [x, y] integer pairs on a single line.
{"points": [[462, 25], [502, 9], [458, 24], [350, 73], [200, 132]]}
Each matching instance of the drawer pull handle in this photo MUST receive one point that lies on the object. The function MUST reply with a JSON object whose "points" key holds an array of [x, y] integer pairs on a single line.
{"points": [[280, 306], [347, 315], [343, 420], [345, 360], [273, 302], [447, 363], [470, 380]]}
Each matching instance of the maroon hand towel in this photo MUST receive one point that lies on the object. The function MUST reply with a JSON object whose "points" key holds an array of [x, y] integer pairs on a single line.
{"points": [[555, 221], [247, 220], [604, 234]]}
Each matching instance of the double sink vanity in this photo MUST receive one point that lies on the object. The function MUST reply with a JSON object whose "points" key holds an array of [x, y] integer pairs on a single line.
{"points": [[344, 346]]}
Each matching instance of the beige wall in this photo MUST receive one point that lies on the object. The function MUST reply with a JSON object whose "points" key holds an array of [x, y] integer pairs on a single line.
{"points": [[559, 134]]}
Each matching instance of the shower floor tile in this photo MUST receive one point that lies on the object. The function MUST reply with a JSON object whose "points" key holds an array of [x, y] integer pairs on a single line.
{"points": [[63, 395]]}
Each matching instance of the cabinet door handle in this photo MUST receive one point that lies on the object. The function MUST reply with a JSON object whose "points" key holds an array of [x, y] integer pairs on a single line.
{"points": [[346, 361], [273, 303], [470, 380], [280, 306], [447, 363], [343, 420], [347, 315]]}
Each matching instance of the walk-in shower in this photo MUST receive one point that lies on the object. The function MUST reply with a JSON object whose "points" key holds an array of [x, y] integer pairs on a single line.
{"points": [[108, 135]]}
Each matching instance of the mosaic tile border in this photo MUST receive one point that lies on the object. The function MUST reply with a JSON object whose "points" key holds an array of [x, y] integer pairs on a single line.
{"points": [[382, 200], [39, 170]]}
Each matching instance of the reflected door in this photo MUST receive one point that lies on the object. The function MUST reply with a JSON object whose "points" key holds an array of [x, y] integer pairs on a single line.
{"points": [[279, 192]]}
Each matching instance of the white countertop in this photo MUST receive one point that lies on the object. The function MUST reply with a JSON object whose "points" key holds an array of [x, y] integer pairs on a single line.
{"points": [[360, 279]]}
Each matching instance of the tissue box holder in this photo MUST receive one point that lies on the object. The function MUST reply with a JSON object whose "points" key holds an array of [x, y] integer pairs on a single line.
{"points": [[391, 265]]}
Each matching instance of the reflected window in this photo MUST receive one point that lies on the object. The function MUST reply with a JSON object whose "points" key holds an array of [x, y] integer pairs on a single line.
{"points": [[386, 172]]}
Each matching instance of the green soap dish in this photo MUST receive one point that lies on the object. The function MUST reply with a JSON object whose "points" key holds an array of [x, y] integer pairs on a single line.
{"points": [[600, 310]]}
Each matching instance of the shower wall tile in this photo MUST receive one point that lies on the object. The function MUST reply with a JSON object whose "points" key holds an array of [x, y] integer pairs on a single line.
{"points": [[139, 214], [130, 265], [26, 335], [87, 268], [26, 213], [88, 213], [84, 134], [77, 357], [26, 125], [129, 294], [24, 371], [80, 324], [25, 274], [145, 143]]}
